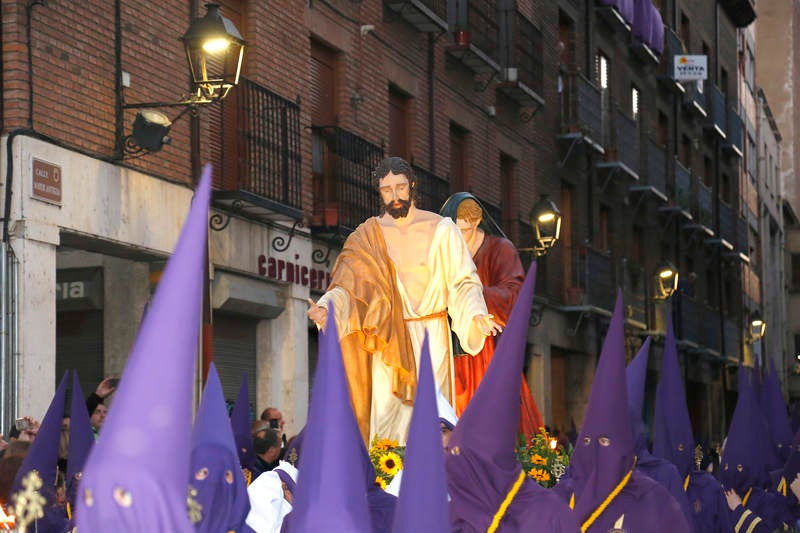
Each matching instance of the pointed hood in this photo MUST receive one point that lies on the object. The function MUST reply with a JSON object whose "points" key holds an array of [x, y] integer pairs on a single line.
{"points": [[792, 466], [481, 461], [42, 456], [597, 468], [240, 422], [329, 496], [742, 465], [636, 378], [81, 439], [215, 472], [672, 432], [774, 407], [756, 382], [423, 495], [135, 476]]}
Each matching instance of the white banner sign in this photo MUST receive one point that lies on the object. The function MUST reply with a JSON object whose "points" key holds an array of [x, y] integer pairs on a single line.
{"points": [[688, 68]]}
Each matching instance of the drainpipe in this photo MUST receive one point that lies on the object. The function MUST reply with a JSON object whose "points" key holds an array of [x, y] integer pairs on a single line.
{"points": [[431, 96]]}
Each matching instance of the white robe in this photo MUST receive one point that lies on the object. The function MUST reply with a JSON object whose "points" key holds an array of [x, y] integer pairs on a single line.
{"points": [[454, 285]]}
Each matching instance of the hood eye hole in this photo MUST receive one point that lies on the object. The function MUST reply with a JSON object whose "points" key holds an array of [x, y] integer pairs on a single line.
{"points": [[201, 474]]}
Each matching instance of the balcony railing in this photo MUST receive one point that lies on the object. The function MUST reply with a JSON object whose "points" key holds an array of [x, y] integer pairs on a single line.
{"points": [[734, 132], [597, 277], [656, 166], [482, 27], [271, 135], [257, 170], [709, 332], [705, 204], [432, 190], [633, 290], [425, 15], [626, 140], [695, 99], [347, 193], [683, 186], [718, 114], [581, 107], [527, 52], [672, 46], [727, 223], [733, 339]]}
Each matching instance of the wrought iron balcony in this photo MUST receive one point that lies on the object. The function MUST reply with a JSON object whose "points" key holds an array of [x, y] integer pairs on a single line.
{"points": [[476, 46], [264, 181], [727, 223], [634, 296], [425, 15], [581, 111], [345, 193], [622, 152], [741, 12], [695, 98], [595, 276], [523, 69], [709, 330], [432, 190], [683, 186], [718, 117], [704, 206], [656, 166], [734, 134], [733, 340], [666, 70]]}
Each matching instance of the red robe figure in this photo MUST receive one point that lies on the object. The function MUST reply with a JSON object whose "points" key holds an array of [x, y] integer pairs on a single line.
{"points": [[502, 275]]}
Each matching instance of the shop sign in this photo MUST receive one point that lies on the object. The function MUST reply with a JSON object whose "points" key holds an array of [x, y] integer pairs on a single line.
{"points": [[690, 67]]}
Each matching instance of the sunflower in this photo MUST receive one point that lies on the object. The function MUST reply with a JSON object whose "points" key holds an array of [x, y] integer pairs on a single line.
{"points": [[380, 482], [390, 463], [539, 475], [538, 459]]}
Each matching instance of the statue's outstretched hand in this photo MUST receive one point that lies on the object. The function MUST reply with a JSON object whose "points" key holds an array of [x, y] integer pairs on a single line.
{"points": [[487, 325], [317, 313]]}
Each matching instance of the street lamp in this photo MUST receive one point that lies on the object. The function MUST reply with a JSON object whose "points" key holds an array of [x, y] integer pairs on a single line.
{"points": [[757, 327], [666, 282], [546, 222], [214, 50]]}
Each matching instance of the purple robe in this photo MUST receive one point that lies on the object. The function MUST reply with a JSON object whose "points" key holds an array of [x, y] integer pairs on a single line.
{"points": [[710, 511], [534, 508], [642, 505], [666, 473]]}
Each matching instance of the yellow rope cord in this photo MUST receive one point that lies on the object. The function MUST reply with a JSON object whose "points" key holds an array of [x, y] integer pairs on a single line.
{"points": [[69, 512], [686, 482], [597, 512], [747, 496], [782, 486], [506, 502]]}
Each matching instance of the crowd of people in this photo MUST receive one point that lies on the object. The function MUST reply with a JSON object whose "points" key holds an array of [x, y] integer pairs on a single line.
{"points": [[147, 462]]}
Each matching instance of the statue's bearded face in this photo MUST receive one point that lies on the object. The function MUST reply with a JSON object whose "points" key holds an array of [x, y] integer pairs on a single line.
{"points": [[396, 194]]}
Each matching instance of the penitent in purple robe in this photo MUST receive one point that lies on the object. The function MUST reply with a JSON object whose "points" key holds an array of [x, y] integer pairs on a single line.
{"points": [[481, 465], [604, 489], [655, 468]]}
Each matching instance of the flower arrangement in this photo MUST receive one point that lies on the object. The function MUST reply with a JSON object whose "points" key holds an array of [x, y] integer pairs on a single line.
{"points": [[543, 458], [387, 458]]}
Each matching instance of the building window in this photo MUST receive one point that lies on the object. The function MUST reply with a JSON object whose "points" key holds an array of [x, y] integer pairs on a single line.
{"points": [[686, 151], [322, 104], [399, 124], [749, 68], [602, 70], [509, 197], [603, 242], [566, 39], [635, 102], [685, 32], [663, 129], [708, 171], [795, 281], [459, 138]]}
